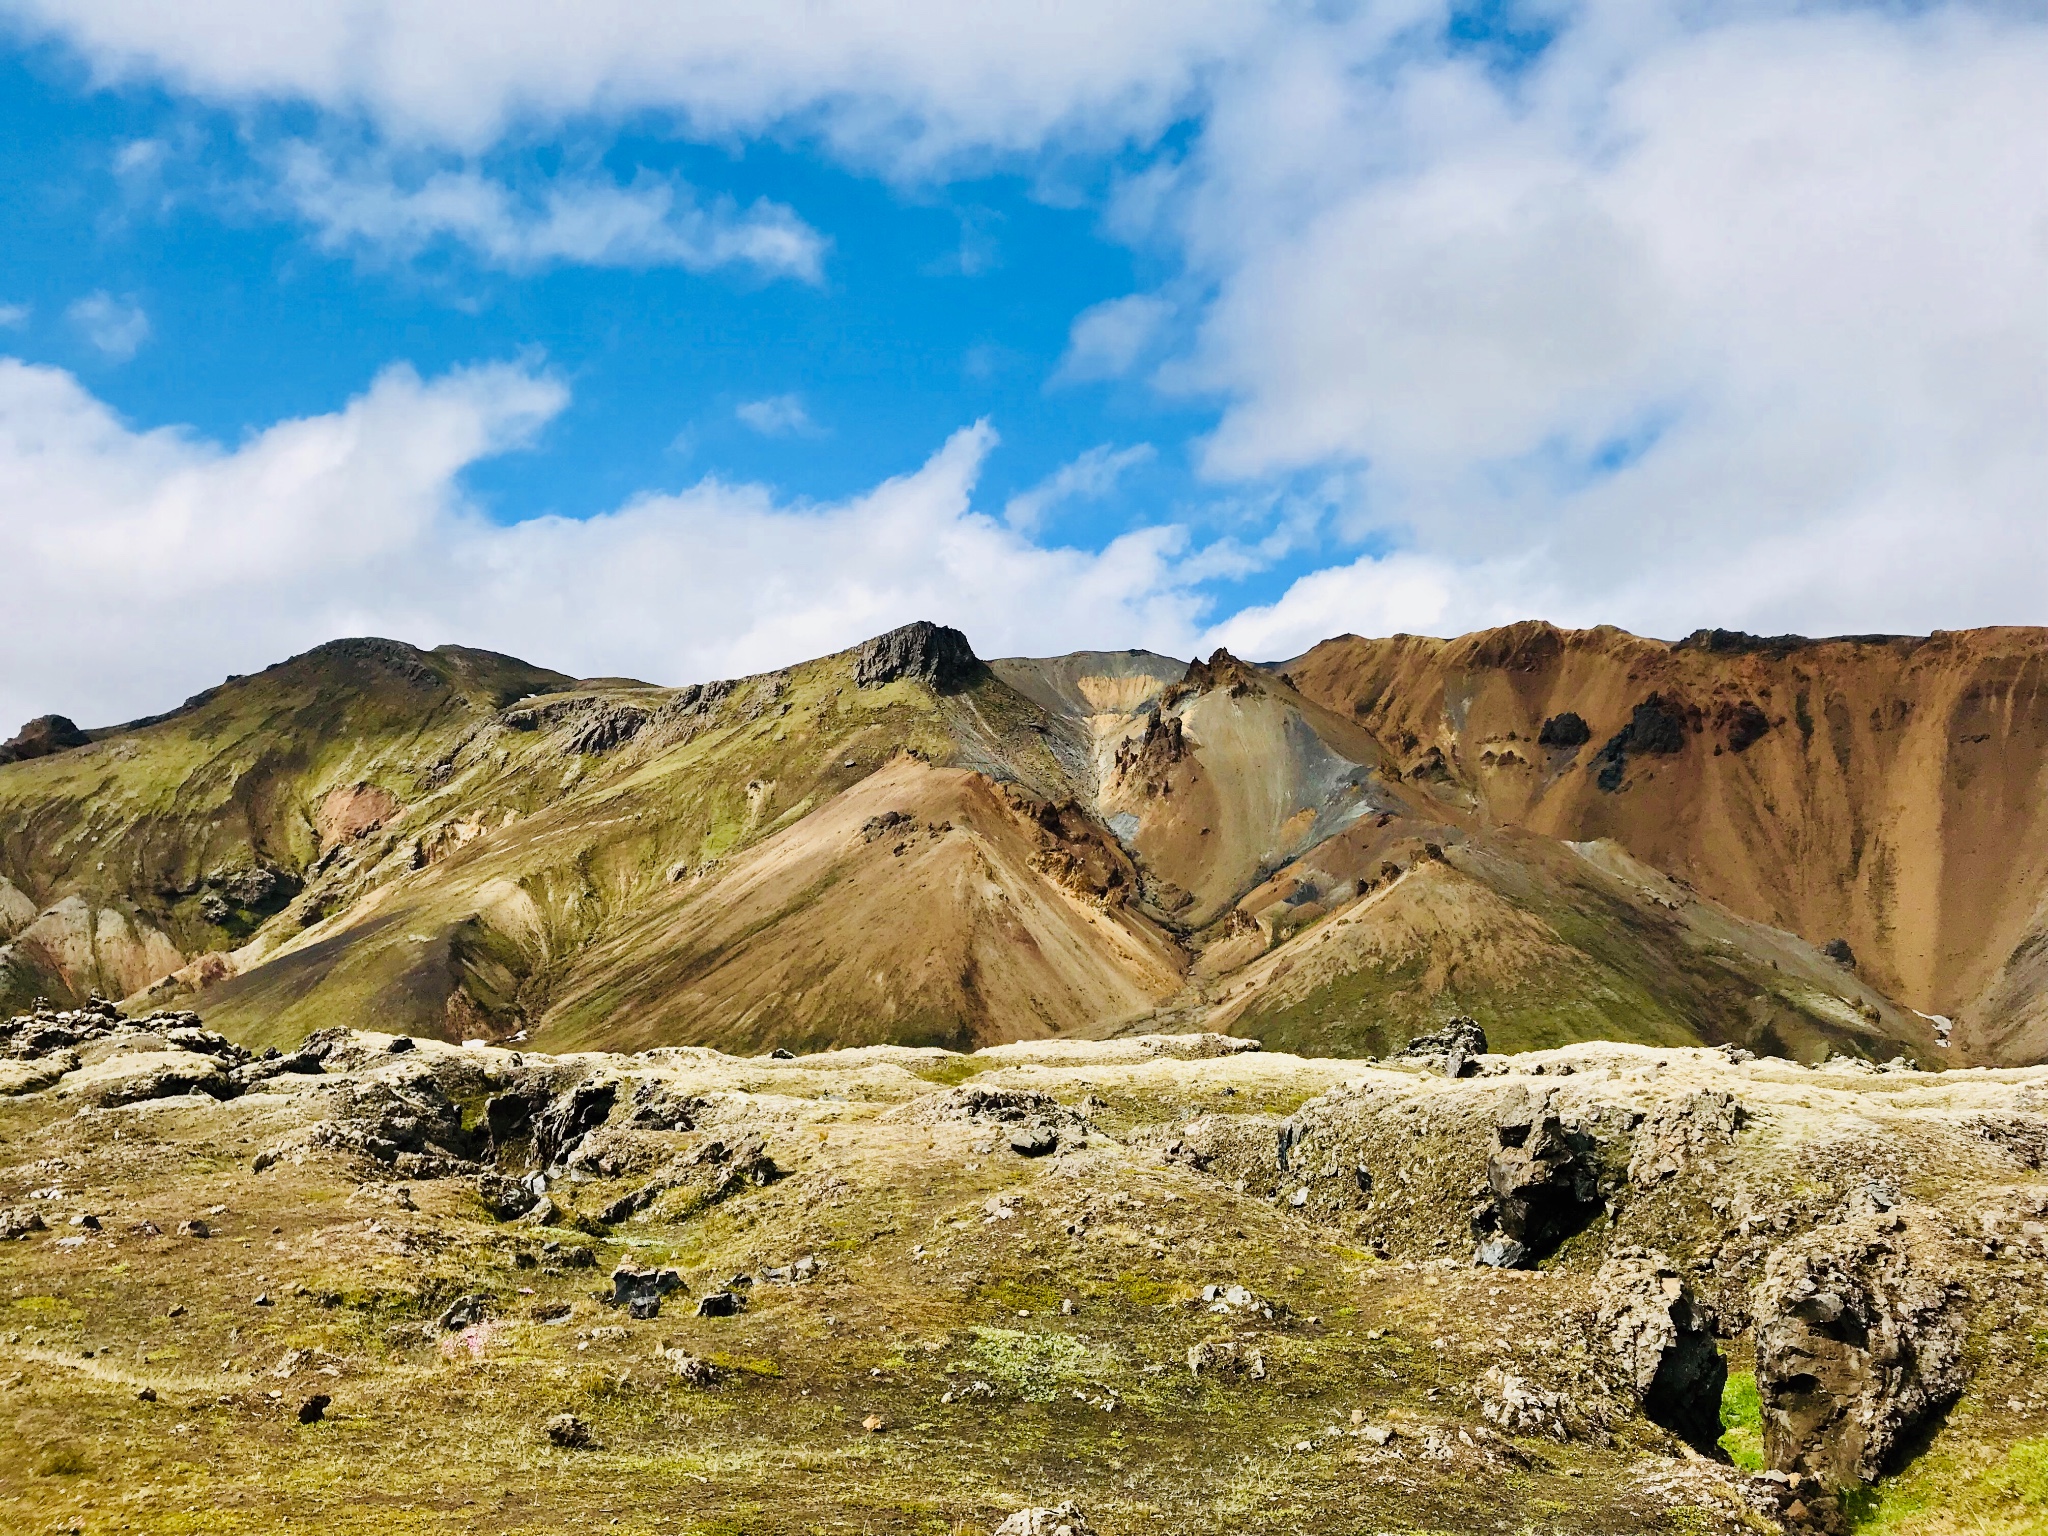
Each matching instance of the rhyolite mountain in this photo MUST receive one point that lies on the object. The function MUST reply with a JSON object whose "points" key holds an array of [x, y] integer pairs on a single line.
{"points": [[1804, 847]]}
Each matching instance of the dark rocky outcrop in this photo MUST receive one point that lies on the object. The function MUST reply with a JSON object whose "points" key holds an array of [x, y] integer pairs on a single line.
{"points": [[1656, 728], [1147, 759], [1859, 1340], [43, 736], [506, 1199], [644, 1286], [256, 892], [1745, 723], [1221, 670], [1545, 1188], [1566, 730], [569, 1118], [924, 652], [589, 725], [608, 726], [413, 1128], [1459, 1042]]}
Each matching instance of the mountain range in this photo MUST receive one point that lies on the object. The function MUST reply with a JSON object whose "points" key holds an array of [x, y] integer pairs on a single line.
{"points": [[1803, 847]]}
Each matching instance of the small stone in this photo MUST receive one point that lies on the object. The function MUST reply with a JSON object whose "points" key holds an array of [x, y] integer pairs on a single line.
{"points": [[263, 1300], [90, 1222], [718, 1304], [464, 1312], [146, 1395], [543, 1214], [569, 1432], [1033, 1141], [689, 1369], [873, 1424], [314, 1408], [194, 1228], [1062, 1519], [505, 1199]]}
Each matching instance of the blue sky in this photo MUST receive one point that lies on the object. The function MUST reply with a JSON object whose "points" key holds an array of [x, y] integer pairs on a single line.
{"points": [[641, 343], [935, 305]]}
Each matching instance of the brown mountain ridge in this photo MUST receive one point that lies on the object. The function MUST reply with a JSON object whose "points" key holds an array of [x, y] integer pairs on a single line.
{"points": [[1805, 847]]}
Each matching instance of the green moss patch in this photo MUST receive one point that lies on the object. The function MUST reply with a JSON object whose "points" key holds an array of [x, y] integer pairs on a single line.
{"points": [[1742, 1421]]}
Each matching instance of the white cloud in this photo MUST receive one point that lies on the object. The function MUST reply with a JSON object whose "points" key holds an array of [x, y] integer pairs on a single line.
{"points": [[1107, 340], [908, 83], [1710, 314], [118, 327], [649, 222], [776, 416], [12, 315], [1701, 321], [1090, 477], [203, 559], [140, 157]]}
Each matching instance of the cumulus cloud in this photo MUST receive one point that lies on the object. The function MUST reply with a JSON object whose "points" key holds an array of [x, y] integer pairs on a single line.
{"points": [[1090, 477], [909, 84], [1708, 318], [1107, 340], [148, 564], [648, 222], [776, 416], [1700, 314], [117, 327]]}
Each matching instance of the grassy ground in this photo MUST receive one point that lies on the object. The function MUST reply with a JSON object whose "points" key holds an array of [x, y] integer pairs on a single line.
{"points": [[1077, 1310]]}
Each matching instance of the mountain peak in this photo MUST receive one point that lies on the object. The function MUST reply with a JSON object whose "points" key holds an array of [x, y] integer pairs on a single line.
{"points": [[929, 653], [41, 737]]}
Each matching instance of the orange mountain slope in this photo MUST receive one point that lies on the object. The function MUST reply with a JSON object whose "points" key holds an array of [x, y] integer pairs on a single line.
{"points": [[1888, 792]]}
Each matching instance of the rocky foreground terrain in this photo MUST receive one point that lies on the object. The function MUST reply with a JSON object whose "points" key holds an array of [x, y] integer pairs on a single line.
{"points": [[1170, 1283]]}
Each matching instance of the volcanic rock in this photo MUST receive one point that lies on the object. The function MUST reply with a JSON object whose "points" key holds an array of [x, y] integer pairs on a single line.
{"points": [[1657, 727], [630, 1284], [1565, 730], [928, 653], [1062, 1519], [569, 1118], [569, 1432], [1662, 1341], [1544, 1190], [506, 1199], [42, 737], [1859, 1338], [1461, 1035]]}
